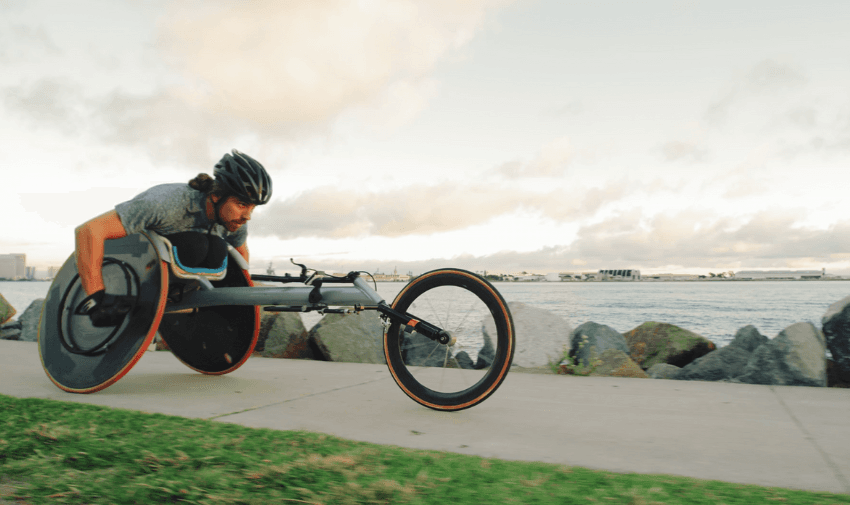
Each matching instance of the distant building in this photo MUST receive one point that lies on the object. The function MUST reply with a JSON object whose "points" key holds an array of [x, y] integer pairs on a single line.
{"points": [[394, 277], [778, 275], [30, 273], [13, 266], [52, 271], [619, 275], [529, 277], [671, 277]]}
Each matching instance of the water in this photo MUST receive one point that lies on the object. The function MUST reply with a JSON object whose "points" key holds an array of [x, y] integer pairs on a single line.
{"points": [[21, 294], [715, 310]]}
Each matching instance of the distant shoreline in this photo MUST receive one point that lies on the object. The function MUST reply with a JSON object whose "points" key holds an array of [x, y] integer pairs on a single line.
{"points": [[675, 280]]}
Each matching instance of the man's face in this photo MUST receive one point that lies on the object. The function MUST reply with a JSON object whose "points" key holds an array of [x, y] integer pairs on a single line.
{"points": [[234, 213]]}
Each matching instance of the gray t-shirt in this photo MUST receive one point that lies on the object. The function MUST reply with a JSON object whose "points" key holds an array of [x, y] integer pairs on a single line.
{"points": [[173, 208]]}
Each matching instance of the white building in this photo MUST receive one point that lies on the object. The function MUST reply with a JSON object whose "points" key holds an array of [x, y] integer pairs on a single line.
{"points": [[13, 266], [529, 277], [777, 275]]}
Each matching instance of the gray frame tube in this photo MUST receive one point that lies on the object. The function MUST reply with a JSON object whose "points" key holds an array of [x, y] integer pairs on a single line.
{"points": [[332, 295]]}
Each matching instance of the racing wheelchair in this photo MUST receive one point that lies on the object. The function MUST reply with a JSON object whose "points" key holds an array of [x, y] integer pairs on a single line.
{"points": [[448, 336]]}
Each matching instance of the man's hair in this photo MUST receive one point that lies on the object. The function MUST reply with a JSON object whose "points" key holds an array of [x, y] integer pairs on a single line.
{"points": [[207, 185]]}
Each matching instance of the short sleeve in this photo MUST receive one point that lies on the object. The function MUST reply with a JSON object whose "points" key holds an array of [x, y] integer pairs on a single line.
{"points": [[147, 210]]}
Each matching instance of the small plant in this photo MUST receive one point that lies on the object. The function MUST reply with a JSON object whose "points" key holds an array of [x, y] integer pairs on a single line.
{"points": [[568, 365]]}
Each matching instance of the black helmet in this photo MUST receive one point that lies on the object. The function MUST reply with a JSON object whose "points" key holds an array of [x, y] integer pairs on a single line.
{"points": [[244, 177]]}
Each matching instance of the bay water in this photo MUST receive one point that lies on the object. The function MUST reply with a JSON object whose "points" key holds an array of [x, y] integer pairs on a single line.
{"points": [[715, 310]]}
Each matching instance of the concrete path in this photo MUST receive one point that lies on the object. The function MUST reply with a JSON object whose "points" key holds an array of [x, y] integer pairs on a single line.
{"points": [[790, 437]]}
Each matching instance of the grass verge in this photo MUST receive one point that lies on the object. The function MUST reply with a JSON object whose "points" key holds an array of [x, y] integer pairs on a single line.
{"points": [[56, 452]]}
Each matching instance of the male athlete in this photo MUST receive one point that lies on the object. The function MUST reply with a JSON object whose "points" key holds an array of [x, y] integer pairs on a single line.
{"points": [[199, 219]]}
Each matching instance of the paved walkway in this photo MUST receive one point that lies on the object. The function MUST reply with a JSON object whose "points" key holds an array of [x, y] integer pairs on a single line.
{"points": [[790, 437]]}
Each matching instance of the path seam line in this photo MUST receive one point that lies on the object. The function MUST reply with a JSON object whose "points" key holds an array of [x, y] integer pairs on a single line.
{"points": [[258, 407], [832, 466]]}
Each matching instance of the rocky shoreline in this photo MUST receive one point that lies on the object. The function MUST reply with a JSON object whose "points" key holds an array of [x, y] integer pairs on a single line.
{"points": [[546, 343]]}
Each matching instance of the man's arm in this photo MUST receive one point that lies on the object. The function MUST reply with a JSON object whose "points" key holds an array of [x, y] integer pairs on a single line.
{"points": [[89, 247], [243, 250]]}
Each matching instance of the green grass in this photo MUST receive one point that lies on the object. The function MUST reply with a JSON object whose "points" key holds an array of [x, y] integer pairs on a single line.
{"points": [[56, 452]]}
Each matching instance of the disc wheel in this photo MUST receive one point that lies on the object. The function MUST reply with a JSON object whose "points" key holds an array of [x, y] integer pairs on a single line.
{"points": [[466, 371]]}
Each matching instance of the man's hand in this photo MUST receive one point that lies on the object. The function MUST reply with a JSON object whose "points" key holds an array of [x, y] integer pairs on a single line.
{"points": [[105, 310]]}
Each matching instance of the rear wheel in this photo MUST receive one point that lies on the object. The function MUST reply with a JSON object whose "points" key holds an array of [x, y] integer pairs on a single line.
{"points": [[470, 368]]}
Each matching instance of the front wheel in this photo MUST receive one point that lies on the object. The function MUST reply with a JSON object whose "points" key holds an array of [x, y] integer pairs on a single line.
{"points": [[476, 361]]}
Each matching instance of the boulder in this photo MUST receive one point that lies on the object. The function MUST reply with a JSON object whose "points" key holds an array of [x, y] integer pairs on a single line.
{"points": [[11, 331], [29, 321], [592, 339], [833, 379], [6, 310], [796, 357], [727, 362], [464, 361], [422, 351], [836, 330], [652, 343], [283, 335], [357, 338], [616, 363], [541, 336], [662, 371], [487, 354]]}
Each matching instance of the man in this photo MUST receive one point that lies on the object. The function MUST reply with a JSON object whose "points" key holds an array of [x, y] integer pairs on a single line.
{"points": [[199, 219]]}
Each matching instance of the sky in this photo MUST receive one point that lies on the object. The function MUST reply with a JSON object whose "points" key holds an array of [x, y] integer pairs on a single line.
{"points": [[670, 136]]}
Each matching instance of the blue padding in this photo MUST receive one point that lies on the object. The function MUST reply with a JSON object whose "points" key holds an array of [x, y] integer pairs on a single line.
{"points": [[198, 270]]}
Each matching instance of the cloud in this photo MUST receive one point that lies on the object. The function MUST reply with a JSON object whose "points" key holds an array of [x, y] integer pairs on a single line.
{"points": [[421, 210], [683, 241], [21, 43], [306, 61], [162, 125], [688, 239], [48, 101], [767, 79], [770, 75], [680, 150], [552, 161], [262, 70]]}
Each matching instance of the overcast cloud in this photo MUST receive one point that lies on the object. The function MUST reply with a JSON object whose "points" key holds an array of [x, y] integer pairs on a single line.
{"points": [[499, 135]]}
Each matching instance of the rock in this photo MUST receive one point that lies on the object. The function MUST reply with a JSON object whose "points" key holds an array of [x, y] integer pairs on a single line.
{"points": [[284, 336], [836, 330], [592, 339], [357, 338], [29, 321], [7, 312], [727, 362], [796, 357], [663, 371], [11, 331], [487, 354], [833, 379], [420, 350], [615, 363], [541, 336], [748, 338], [652, 343], [464, 361]]}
